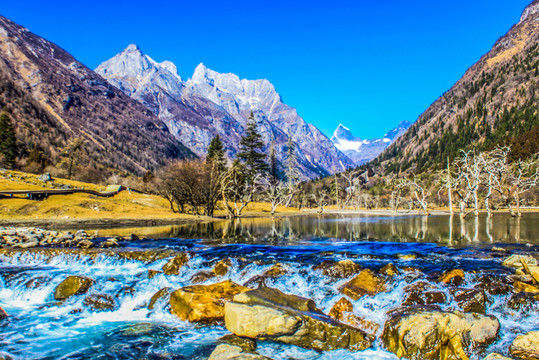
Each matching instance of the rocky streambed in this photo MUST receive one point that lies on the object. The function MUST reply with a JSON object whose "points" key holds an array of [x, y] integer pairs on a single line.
{"points": [[75, 296]]}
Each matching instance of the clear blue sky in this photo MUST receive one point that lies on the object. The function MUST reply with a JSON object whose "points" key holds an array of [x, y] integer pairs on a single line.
{"points": [[366, 64]]}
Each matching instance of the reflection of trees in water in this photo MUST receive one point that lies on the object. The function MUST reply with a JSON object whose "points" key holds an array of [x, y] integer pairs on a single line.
{"points": [[443, 229]]}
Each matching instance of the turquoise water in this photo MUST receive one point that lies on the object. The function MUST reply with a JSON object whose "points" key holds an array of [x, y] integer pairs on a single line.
{"points": [[41, 328]]}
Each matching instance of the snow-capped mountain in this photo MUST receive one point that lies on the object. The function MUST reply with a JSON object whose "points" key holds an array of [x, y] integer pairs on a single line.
{"points": [[363, 151], [211, 103]]}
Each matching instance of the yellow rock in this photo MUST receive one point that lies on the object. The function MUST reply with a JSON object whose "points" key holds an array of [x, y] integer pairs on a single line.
{"points": [[452, 277], [389, 270], [523, 287], [221, 268], [174, 265], [343, 310], [526, 346], [203, 303], [72, 285], [365, 283]]}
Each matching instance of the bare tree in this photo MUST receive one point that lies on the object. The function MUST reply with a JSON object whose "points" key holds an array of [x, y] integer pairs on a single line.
{"points": [[495, 168], [523, 177], [236, 191], [320, 197], [418, 193], [469, 170]]}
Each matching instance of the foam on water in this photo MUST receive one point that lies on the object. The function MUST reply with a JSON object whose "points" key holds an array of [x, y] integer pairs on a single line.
{"points": [[41, 328]]}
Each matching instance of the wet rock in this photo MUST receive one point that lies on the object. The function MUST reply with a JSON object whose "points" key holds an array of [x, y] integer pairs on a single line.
{"points": [[340, 270], [163, 293], [366, 283], [275, 271], [202, 276], [523, 287], [222, 267], [522, 301], [145, 256], [3, 314], [72, 285], [343, 311], [471, 300], [232, 352], [85, 244], [259, 281], [427, 334], [36, 282], [174, 265], [526, 346], [389, 270], [453, 277], [152, 273], [203, 303], [515, 261], [418, 297], [134, 237], [522, 278], [268, 313], [110, 243], [495, 356], [245, 343], [100, 302], [493, 285]]}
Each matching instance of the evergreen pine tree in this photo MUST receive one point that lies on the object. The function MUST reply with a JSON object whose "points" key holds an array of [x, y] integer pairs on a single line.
{"points": [[216, 154], [273, 165], [292, 166], [8, 142], [250, 151]]}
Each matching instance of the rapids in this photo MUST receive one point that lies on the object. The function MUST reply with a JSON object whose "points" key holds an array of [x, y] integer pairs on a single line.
{"points": [[41, 328]]}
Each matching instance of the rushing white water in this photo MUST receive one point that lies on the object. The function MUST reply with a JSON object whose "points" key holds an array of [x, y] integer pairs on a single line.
{"points": [[41, 328]]}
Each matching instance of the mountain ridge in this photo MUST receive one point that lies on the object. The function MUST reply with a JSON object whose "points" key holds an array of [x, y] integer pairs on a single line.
{"points": [[211, 103]]}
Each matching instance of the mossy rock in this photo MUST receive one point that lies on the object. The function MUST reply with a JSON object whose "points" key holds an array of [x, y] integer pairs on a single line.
{"points": [[173, 266], [203, 303], [270, 314], [429, 334], [72, 285], [366, 283], [164, 292]]}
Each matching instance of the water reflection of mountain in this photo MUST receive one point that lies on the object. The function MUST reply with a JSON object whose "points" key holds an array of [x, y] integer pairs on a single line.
{"points": [[437, 229]]}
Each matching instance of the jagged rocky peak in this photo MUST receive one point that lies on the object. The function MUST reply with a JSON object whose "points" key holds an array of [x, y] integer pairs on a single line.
{"points": [[131, 70], [529, 11], [343, 133]]}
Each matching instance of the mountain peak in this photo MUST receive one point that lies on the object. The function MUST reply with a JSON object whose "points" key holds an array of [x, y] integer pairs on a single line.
{"points": [[531, 10], [132, 48], [344, 133]]}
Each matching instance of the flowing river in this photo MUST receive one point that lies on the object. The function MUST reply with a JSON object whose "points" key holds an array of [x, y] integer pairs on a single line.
{"points": [[40, 327]]}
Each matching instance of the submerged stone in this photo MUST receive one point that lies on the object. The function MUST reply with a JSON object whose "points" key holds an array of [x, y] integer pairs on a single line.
{"points": [[203, 303], [164, 292], [232, 352], [72, 285], [366, 283], [343, 311], [526, 346], [429, 334], [270, 314], [100, 302]]}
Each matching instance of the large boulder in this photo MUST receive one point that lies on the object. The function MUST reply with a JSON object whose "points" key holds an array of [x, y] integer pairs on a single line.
{"points": [[471, 300], [429, 334], [173, 266], [526, 346], [72, 285], [268, 313], [515, 261], [365, 283], [203, 303]]}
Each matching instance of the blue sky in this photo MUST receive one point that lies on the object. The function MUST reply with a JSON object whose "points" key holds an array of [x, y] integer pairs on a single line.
{"points": [[366, 64]]}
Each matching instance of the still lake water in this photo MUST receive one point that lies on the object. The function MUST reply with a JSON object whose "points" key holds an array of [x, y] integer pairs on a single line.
{"points": [[41, 328]]}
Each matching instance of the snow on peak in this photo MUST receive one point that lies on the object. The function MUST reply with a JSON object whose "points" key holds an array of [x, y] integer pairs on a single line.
{"points": [[132, 48]]}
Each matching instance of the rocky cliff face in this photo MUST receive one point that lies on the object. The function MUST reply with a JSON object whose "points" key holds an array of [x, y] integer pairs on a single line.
{"points": [[495, 102], [53, 99], [211, 103], [363, 151]]}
